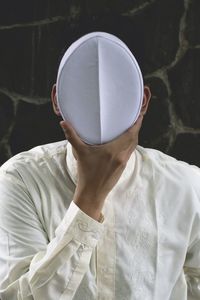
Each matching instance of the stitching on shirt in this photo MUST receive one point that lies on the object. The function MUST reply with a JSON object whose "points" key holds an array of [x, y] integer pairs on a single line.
{"points": [[35, 156], [26, 191], [79, 252], [36, 212]]}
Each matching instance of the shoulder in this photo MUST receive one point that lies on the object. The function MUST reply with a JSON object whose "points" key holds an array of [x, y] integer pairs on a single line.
{"points": [[166, 167], [36, 157]]}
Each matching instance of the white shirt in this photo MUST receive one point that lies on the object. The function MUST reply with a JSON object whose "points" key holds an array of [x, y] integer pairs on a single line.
{"points": [[50, 249]]}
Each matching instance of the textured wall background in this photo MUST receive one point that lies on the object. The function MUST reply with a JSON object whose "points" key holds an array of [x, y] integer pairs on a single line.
{"points": [[164, 35]]}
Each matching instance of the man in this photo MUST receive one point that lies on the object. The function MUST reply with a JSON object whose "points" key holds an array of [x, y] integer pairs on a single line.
{"points": [[111, 221]]}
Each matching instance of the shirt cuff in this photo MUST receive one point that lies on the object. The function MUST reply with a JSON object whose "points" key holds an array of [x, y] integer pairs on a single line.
{"points": [[81, 226]]}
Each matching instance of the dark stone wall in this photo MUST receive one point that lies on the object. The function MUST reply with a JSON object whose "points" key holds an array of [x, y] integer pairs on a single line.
{"points": [[164, 35]]}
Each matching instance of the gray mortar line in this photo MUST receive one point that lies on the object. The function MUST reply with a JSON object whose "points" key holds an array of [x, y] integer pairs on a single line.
{"points": [[5, 139], [134, 11], [177, 124], [28, 99], [190, 130], [183, 42], [35, 23]]}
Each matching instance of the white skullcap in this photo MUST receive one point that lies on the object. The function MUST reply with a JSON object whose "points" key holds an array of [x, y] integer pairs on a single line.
{"points": [[99, 87]]}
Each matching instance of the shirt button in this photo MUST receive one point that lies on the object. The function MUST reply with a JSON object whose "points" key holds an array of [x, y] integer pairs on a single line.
{"points": [[162, 240], [106, 271]]}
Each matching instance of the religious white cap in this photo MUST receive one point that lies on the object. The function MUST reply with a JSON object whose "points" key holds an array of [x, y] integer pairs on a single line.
{"points": [[99, 87]]}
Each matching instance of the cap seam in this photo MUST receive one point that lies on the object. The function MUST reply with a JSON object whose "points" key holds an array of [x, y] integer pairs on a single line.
{"points": [[99, 89], [117, 43]]}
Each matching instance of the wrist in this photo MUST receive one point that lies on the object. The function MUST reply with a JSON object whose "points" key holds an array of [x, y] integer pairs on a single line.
{"points": [[91, 206]]}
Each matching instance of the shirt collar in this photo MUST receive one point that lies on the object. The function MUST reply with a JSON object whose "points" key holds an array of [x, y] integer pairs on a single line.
{"points": [[129, 170], [71, 164]]}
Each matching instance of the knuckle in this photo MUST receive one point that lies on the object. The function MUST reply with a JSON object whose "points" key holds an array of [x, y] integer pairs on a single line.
{"points": [[120, 161], [109, 154]]}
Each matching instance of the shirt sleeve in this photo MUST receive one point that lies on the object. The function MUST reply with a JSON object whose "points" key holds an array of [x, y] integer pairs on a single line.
{"points": [[31, 267], [192, 261]]}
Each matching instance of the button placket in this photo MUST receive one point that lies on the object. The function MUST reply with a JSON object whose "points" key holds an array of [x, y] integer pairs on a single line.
{"points": [[106, 254]]}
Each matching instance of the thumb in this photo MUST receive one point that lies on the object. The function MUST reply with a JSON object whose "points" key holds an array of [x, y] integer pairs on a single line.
{"points": [[71, 135]]}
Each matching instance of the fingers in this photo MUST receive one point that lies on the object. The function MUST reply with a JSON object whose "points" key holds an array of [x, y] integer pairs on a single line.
{"points": [[129, 136], [135, 128], [121, 143], [72, 136]]}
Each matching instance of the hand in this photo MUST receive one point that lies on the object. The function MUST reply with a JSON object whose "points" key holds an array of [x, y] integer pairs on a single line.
{"points": [[100, 166]]}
